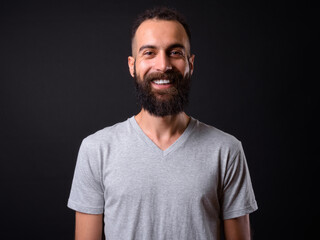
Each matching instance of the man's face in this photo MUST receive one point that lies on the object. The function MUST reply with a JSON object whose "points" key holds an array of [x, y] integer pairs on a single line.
{"points": [[162, 66]]}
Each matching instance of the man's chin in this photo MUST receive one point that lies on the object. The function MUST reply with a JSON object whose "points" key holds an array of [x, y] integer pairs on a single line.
{"points": [[163, 98]]}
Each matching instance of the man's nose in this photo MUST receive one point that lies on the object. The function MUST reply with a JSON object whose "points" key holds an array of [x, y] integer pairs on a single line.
{"points": [[162, 63]]}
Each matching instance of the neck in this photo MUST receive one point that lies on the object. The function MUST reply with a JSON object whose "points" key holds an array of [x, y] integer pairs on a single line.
{"points": [[162, 130]]}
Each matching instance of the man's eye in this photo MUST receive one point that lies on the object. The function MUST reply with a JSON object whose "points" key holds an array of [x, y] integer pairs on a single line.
{"points": [[148, 53], [176, 53]]}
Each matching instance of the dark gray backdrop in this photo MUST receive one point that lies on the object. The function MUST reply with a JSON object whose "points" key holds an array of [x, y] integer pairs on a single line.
{"points": [[64, 75]]}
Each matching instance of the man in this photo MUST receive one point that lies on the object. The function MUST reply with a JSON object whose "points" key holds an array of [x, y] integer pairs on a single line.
{"points": [[161, 174]]}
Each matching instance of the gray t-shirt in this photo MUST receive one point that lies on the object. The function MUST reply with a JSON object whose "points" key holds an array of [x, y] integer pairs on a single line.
{"points": [[146, 193]]}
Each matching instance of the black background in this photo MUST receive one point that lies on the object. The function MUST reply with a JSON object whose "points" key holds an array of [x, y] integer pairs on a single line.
{"points": [[64, 75]]}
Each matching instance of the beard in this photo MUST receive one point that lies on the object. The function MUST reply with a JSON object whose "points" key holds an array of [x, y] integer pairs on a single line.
{"points": [[163, 102]]}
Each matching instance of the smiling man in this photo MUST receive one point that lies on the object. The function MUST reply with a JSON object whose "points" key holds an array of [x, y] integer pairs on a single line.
{"points": [[162, 66], [161, 174]]}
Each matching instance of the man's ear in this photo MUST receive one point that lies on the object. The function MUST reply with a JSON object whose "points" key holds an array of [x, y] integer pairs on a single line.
{"points": [[191, 63], [131, 65]]}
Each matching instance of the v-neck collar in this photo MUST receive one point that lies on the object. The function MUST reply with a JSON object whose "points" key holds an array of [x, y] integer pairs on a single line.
{"points": [[152, 145]]}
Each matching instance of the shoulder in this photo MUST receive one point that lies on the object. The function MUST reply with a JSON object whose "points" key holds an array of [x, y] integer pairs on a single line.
{"points": [[214, 138], [106, 135]]}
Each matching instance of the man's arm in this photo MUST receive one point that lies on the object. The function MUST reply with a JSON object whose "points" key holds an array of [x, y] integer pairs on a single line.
{"points": [[237, 228], [88, 226]]}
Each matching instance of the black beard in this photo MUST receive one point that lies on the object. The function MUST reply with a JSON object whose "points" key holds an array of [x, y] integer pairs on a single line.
{"points": [[163, 102]]}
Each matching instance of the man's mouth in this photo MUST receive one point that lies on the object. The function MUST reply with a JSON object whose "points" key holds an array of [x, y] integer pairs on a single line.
{"points": [[161, 81]]}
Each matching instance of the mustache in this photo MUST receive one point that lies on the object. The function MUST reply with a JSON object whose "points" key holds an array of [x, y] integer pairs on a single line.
{"points": [[173, 76]]}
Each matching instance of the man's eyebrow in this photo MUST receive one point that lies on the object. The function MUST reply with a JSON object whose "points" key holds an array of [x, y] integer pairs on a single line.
{"points": [[176, 45], [146, 46]]}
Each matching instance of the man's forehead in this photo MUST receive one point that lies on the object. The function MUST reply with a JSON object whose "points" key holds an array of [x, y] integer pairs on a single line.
{"points": [[154, 31]]}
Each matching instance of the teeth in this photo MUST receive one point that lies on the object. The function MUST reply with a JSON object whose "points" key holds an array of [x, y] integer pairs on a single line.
{"points": [[161, 81]]}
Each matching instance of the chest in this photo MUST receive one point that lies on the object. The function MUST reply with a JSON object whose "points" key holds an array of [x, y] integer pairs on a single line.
{"points": [[176, 177]]}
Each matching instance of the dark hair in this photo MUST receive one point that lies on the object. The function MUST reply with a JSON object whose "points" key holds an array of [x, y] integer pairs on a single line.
{"points": [[160, 13]]}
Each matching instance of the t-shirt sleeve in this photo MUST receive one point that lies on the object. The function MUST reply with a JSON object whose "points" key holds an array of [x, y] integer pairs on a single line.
{"points": [[87, 190], [238, 197]]}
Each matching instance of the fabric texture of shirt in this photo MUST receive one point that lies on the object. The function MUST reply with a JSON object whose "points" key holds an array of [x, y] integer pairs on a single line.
{"points": [[145, 193]]}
